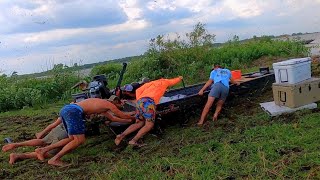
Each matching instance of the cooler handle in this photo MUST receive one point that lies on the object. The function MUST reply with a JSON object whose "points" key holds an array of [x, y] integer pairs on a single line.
{"points": [[281, 75], [283, 98]]}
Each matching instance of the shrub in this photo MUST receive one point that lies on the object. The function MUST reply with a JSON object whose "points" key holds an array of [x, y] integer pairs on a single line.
{"points": [[191, 57]]}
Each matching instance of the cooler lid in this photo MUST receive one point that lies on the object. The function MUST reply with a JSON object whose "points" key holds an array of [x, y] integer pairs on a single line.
{"points": [[292, 61]]}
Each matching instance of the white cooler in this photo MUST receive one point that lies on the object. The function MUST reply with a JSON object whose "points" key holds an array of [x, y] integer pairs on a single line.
{"points": [[292, 71]]}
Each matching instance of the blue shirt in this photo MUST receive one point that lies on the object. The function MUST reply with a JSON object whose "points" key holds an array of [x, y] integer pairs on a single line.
{"points": [[221, 75]]}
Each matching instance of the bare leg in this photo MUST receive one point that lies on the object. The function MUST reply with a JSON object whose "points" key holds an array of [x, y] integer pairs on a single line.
{"points": [[48, 128], [206, 110], [218, 110], [129, 130], [32, 142], [16, 156], [76, 141], [42, 151], [144, 130]]}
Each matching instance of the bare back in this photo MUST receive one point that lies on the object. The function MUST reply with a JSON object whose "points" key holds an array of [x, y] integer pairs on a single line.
{"points": [[95, 106]]}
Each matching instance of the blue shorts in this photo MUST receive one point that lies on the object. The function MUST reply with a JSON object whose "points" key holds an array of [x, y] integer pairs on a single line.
{"points": [[219, 91], [73, 119], [146, 109]]}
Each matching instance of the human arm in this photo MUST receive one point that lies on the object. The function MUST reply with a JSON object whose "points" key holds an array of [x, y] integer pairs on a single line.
{"points": [[119, 113], [174, 81], [234, 82], [208, 83], [112, 118], [140, 90], [48, 128]]}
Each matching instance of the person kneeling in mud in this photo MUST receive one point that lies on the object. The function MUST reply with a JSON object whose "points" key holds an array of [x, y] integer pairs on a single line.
{"points": [[51, 134], [72, 116], [147, 97]]}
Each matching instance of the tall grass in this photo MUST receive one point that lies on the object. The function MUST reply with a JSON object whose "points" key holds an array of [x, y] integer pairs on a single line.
{"points": [[20, 93], [191, 57]]}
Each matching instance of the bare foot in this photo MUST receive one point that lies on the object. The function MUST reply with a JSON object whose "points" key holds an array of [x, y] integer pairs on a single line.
{"points": [[199, 124], [38, 135], [59, 163], [118, 139], [136, 144], [40, 153], [215, 118], [13, 158], [8, 147]]}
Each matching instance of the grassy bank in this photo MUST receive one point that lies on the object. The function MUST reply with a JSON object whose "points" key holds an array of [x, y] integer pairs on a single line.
{"points": [[244, 143]]}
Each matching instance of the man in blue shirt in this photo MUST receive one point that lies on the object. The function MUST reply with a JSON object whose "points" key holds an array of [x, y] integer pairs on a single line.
{"points": [[220, 78]]}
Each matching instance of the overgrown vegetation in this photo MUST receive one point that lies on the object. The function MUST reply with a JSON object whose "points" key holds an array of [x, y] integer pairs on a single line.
{"points": [[191, 56], [32, 92], [244, 144]]}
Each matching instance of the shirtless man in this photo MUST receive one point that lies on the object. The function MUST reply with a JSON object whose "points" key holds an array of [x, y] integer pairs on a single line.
{"points": [[72, 116], [54, 133]]}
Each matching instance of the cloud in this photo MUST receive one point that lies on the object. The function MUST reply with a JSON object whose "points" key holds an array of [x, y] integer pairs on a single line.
{"points": [[36, 31], [243, 8], [68, 55], [35, 16]]}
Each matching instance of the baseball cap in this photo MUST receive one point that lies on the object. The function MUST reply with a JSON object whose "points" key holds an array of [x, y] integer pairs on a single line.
{"points": [[113, 98], [127, 87]]}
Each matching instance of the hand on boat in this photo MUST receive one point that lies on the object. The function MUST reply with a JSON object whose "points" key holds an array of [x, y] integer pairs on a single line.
{"points": [[200, 92]]}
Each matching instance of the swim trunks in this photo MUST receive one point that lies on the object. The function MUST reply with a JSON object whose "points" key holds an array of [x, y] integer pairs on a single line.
{"points": [[73, 119], [146, 109]]}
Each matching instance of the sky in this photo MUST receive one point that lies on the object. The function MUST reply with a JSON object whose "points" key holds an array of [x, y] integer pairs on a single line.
{"points": [[36, 34]]}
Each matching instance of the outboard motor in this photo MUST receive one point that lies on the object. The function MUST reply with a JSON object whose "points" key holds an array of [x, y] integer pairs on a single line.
{"points": [[98, 87]]}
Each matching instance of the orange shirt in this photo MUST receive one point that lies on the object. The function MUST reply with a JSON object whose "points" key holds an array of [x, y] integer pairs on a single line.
{"points": [[156, 89]]}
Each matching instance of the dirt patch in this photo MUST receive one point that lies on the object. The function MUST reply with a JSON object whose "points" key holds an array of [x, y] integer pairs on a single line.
{"points": [[315, 68], [287, 118], [316, 59], [5, 174], [286, 151], [23, 136]]}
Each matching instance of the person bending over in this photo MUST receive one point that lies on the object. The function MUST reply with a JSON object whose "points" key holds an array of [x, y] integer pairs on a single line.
{"points": [[129, 90], [72, 116], [219, 82], [148, 96]]}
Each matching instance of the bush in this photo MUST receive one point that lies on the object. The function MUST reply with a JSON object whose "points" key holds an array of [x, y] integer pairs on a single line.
{"points": [[191, 57], [170, 58], [18, 93]]}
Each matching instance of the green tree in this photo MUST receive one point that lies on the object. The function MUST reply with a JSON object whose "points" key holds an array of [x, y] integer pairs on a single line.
{"points": [[200, 36], [58, 66], [14, 74]]}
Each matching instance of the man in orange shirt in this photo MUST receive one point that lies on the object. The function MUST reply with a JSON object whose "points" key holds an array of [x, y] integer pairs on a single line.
{"points": [[148, 96]]}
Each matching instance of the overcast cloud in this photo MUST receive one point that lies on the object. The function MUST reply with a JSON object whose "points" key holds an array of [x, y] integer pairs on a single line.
{"points": [[35, 34]]}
